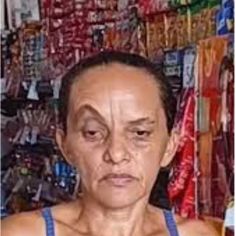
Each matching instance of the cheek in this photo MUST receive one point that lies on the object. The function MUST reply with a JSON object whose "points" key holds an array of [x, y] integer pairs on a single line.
{"points": [[86, 158], [147, 162]]}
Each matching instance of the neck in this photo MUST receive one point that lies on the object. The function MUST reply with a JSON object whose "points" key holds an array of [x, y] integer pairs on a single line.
{"points": [[97, 219]]}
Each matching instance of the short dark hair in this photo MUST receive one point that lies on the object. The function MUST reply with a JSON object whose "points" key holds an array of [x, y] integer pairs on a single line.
{"points": [[109, 57]]}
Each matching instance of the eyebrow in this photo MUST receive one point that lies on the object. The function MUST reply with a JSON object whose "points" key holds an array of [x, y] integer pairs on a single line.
{"points": [[140, 121], [88, 108]]}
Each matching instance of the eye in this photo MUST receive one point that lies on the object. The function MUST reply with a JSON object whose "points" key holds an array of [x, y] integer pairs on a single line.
{"points": [[92, 135], [142, 133]]}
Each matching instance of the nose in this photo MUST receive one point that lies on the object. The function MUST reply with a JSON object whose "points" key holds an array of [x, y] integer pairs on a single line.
{"points": [[116, 151]]}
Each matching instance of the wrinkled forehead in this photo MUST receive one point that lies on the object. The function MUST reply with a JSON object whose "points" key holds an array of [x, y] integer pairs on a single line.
{"points": [[119, 89]]}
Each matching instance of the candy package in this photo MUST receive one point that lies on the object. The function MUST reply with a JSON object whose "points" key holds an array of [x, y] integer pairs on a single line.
{"points": [[212, 10], [188, 67], [155, 37], [142, 48], [177, 3], [183, 28], [150, 7], [151, 37], [171, 30], [198, 21], [227, 3], [109, 35], [173, 70], [225, 19]]}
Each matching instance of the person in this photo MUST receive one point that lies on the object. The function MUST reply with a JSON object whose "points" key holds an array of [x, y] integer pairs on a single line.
{"points": [[116, 114]]}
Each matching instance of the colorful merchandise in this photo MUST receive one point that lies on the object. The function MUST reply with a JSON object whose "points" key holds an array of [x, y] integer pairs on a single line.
{"points": [[155, 26], [225, 18], [183, 180], [212, 11], [199, 21], [216, 174], [171, 30], [182, 28]]}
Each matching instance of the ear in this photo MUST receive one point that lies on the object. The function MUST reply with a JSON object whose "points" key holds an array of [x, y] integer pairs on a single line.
{"points": [[171, 148], [61, 142]]}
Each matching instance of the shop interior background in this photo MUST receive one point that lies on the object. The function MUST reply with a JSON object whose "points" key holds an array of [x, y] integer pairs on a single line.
{"points": [[192, 41]]}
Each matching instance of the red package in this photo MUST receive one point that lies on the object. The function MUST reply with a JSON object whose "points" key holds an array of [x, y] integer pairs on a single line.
{"points": [[155, 27], [182, 185], [171, 30]]}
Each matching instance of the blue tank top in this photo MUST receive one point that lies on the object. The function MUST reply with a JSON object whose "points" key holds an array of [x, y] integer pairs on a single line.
{"points": [[49, 222]]}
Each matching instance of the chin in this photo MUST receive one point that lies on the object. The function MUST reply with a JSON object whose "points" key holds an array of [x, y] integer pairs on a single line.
{"points": [[119, 198], [116, 203]]}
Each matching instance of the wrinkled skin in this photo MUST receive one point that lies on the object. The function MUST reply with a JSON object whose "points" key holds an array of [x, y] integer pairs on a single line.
{"points": [[116, 125]]}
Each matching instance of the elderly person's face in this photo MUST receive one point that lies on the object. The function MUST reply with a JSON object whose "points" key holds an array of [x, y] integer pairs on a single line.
{"points": [[116, 133]]}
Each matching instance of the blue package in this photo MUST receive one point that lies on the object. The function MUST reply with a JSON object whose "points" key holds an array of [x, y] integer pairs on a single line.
{"points": [[220, 23], [227, 3], [172, 58], [229, 18], [224, 21]]}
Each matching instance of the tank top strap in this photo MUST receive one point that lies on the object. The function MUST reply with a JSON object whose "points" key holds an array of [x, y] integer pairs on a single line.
{"points": [[49, 222], [170, 223]]}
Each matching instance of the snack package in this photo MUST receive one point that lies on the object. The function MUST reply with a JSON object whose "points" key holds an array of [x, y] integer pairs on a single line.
{"points": [[182, 28], [151, 37], [188, 67], [182, 183], [160, 29], [225, 19], [227, 3], [173, 70], [229, 223], [173, 58], [109, 35], [155, 27], [171, 30], [147, 7], [97, 38], [142, 48], [161, 5], [180, 3], [173, 3], [198, 21], [212, 10]]}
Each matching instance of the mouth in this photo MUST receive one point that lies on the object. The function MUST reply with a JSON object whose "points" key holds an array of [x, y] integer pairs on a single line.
{"points": [[118, 180]]}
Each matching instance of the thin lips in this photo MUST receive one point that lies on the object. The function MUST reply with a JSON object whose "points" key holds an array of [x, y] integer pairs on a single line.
{"points": [[118, 176]]}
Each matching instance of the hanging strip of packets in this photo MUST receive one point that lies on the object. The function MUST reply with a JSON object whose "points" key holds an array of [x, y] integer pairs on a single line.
{"points": [[185, 22]]}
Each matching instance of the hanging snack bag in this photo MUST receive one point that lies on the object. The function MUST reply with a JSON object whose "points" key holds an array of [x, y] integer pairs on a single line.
{"points": [[189, 58], [229, 18], [160, 28], [174, 3], [161, 5], [182, 27], [151, 37], [225, 18], [142, 38], [155, 38], [109, 35], [197, 20], [171, 30], [212, 11], [227, 3], [204, 22]]}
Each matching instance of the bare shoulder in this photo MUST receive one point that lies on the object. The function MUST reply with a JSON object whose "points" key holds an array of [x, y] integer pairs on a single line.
{"points": [[66, 213], [194, 227], [26, 224]]}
